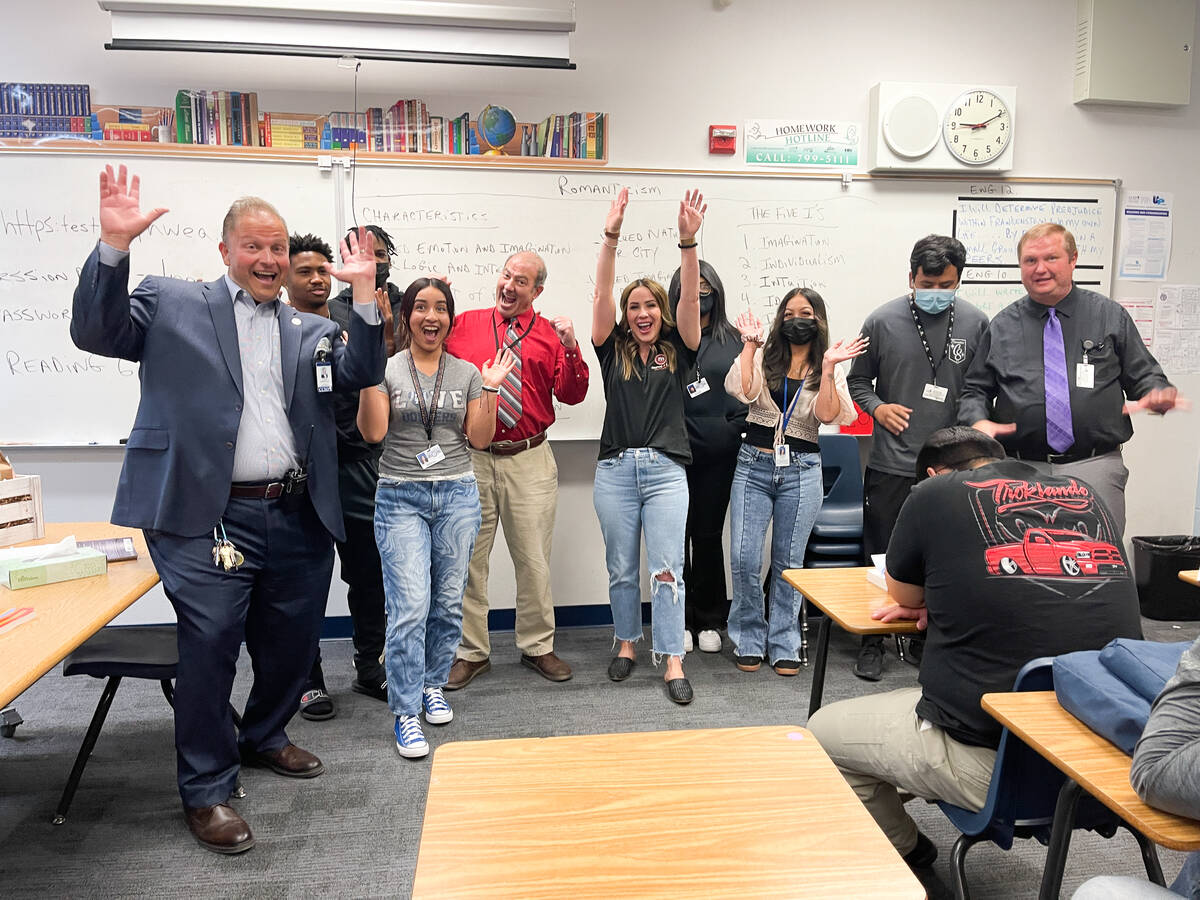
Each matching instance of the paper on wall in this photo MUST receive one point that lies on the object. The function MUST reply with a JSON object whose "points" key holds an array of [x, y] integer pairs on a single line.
{"points": [[1145, 235]]}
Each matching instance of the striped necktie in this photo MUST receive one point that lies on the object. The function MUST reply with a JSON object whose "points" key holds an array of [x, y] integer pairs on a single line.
{"points": [[508, 407], [1059, 433]]}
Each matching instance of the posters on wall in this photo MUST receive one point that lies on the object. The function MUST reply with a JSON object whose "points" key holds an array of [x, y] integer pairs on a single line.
{"points": [[1177, 328], [1145, 234], [814, 143]]}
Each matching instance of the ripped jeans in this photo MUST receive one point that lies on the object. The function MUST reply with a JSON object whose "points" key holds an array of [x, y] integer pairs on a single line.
{"points": [[641, 491]]}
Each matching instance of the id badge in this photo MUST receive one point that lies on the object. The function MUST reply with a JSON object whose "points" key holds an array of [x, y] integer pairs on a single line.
{"points": [[324, 377], [431, 457], [1085, 375], [698, 387], [783, 455], [935, 392]]}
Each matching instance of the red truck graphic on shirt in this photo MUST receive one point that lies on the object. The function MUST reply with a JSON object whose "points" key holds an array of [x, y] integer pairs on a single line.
{"points": [[1052, 551]]}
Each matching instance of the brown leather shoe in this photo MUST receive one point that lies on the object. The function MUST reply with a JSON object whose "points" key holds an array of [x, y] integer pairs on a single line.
{"points": [[464, 671], [548, 665], [219, 828], [290, 761]]}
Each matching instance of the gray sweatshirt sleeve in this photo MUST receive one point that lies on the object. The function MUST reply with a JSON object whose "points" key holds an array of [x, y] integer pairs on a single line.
{"points": [[1166, 761]]}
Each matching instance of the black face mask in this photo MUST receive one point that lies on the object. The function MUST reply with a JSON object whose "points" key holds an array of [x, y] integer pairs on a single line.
{"points": [[706, 302], [799, 331], [382, 271]]}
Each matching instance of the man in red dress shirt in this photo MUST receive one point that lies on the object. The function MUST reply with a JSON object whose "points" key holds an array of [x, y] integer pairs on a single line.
{"points": [[517, 475]]}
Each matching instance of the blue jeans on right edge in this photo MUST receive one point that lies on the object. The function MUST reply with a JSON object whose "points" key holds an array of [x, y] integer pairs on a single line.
{"points": [[642, 491], [425, 531], [788, 498]]}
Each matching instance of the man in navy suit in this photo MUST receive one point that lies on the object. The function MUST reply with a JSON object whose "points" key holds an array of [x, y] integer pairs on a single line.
{"points": [[234, 440]]}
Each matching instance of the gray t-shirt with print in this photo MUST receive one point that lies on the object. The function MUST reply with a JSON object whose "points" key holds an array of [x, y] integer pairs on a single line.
{"points": [[461, 383]]}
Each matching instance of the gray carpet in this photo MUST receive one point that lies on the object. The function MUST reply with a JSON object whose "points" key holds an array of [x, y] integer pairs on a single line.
{"points": [[354, 832]]}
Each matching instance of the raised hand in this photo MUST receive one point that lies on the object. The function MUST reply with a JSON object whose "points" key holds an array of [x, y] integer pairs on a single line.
{"points": [[121, 217], [384, 304], [495, 371], [691, 215], [616, 212], [841, 351], [565, 329], [358, 259], [749, 327]]}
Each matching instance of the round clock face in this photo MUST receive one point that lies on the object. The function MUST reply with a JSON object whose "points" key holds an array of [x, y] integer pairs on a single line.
{"points": [[977, 128]]}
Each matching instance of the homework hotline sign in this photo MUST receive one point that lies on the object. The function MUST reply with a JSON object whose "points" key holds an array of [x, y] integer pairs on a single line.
{"points": [[808, 142]]}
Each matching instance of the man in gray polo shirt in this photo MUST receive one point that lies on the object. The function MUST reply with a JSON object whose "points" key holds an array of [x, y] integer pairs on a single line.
{"points": [[909, 380]]}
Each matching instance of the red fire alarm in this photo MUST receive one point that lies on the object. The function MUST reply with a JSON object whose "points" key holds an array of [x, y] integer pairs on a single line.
{"points": [[722, 139]]}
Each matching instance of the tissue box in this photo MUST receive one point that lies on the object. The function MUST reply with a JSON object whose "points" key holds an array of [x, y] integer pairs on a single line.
{"points": [[84, 562], [21, 510]]}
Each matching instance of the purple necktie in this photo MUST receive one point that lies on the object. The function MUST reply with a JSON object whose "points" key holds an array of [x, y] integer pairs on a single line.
{"points": [[1059, 434]]}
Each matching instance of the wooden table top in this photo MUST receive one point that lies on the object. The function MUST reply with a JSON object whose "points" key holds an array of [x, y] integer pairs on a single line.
{"points": [[709, 813], [69, 612], [848, 599], [1100, 767], [1191, 577]]}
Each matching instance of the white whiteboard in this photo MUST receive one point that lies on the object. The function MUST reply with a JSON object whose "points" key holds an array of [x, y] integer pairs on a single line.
{"points": [[763, 235]]}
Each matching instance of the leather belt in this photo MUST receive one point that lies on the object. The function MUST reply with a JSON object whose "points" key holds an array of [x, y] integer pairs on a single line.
{"points": [[1061, 459], [512, 448], [265, 491]]}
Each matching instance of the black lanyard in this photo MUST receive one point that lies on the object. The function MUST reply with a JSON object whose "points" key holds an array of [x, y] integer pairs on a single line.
{"points": [[912, 308], [520, 337], [428, 412]]}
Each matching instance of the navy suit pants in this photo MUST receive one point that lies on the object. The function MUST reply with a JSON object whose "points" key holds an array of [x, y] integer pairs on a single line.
{"points": [[275, 602]]}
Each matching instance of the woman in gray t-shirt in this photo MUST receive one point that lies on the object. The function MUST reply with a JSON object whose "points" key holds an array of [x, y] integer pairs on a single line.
{"points": [[428, 407]]}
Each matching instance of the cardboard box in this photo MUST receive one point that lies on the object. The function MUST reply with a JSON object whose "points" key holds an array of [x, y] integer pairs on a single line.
{"points": [[21, 510], [83, 563]]}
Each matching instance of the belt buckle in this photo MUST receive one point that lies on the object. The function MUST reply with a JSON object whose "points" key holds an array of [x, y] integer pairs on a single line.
{"points": [[273, 490]]}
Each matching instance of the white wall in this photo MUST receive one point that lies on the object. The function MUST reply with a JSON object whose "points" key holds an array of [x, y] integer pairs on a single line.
{"points": [[664, 71]]}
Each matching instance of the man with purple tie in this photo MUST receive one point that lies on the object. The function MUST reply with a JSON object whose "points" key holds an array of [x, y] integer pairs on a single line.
{"points": [[1051, 377]]}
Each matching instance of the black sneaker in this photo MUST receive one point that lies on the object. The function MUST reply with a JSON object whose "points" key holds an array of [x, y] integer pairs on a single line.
{"points": [[748, 663], [376, 687], [915, 649], [923, 855], [869, 666]]}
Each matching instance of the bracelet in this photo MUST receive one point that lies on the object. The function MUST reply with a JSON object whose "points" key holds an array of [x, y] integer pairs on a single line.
{"points": [[495, 390], [612, 246], [612, 234], [691, 246]]}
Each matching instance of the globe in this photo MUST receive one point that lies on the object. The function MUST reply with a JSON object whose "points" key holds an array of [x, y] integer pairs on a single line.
{"points": [[497, 126]]}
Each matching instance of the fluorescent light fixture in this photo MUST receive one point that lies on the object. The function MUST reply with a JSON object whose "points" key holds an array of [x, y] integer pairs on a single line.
{"points": [[530, 33]]}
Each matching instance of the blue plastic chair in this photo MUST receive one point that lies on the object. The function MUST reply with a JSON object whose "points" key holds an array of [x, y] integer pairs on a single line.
{"points": [[840, 518], [1023, 795]]}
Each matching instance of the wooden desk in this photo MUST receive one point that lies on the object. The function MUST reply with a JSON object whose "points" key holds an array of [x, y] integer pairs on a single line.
{"points": [[1091, 763], [1191, 577], [846, 597], [712, 813], [69, 612]]}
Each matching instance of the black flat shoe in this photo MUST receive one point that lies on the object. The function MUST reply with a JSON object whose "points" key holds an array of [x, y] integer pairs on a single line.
{"points": [[680, 691], [620, 668]]}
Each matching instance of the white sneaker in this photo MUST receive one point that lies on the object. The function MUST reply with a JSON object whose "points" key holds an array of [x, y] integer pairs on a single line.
{"points": [[709, 640], [410, 739], [687, 641], [437, 710]]}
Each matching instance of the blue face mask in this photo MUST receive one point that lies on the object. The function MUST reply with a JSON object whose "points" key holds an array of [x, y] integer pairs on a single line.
{"points": [[933, 302]]}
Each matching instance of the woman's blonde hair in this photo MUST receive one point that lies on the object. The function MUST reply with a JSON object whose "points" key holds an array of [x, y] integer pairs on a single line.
{"points": [[626, 344]]}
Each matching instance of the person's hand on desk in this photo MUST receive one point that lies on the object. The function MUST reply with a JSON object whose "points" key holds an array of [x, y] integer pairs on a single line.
{"points": [[894, 613], [121, 217]]}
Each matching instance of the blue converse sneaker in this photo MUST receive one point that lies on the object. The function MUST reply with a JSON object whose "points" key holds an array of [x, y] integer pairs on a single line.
{"points": [[437, 710], [410, 739]]}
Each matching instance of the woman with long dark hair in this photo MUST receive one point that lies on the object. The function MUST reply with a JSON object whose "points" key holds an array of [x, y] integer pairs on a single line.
{"points": [[792, 385], [641, 487], [715, 422]]}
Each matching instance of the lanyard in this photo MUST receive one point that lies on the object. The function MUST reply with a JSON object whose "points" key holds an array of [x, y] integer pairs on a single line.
{"points": [[520, 337], [912, 308], [428, 412], [784, 418]]}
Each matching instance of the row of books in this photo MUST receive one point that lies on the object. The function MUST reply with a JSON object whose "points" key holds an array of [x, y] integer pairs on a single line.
{"points": [[37, 127], [573, 136], [41, 99], [217, 118]]}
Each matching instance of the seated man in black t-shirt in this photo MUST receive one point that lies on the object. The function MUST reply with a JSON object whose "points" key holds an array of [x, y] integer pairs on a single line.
{"points": [[1004, 564]]}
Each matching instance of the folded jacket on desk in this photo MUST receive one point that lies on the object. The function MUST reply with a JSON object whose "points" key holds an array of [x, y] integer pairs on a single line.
{"points": [[1111, 690]]}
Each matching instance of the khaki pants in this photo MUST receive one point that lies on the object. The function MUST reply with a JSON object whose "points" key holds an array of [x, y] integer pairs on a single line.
{"points": [[521, 492], [882, 748]]}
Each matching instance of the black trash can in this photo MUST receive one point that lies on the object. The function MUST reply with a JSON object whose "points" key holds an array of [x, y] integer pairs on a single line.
{"points": [[1157, 562]]}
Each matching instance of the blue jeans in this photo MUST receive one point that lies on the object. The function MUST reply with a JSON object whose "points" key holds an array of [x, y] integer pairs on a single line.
{"points": [[638, 492], [426, 532], [788, 498]]}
